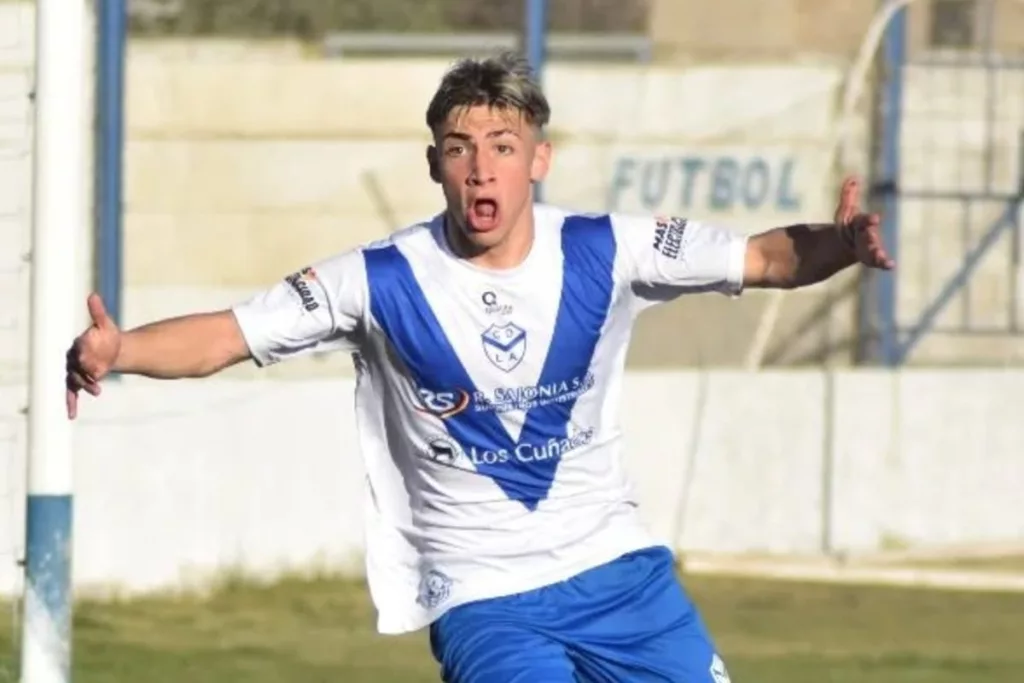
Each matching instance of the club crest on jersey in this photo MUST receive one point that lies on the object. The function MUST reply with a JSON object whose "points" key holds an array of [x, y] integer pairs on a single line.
{"points": [[505, 345], [435, 588]]}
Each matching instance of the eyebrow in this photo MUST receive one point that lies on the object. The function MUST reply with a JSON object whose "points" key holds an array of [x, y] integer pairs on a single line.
{"points": [[492, 134]]}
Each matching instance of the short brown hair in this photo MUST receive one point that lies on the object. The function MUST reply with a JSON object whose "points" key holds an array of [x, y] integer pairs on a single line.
{"points": [[505, 81]]}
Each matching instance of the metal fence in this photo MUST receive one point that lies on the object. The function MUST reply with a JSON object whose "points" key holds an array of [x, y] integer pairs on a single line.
{"points": [[951, 162]]}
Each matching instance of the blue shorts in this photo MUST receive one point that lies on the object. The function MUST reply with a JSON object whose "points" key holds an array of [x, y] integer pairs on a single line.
{"points": [[626, 621]]}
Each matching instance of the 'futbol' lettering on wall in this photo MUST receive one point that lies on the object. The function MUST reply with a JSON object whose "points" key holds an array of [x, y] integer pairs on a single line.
{"points": [[681, 183]]}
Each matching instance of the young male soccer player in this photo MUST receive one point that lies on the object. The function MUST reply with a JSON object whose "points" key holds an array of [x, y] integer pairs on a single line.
{"points": [[489, 344]]}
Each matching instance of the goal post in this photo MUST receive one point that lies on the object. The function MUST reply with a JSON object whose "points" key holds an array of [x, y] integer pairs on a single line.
{"points": [[58, 210]]}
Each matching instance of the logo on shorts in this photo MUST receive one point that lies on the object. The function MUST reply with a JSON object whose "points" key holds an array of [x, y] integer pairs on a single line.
{"points": [[505, 345], [718, 671], [435, 588]]}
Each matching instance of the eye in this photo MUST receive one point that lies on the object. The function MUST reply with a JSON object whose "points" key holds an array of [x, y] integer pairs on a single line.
{"points": [[504, 149], [454, 150]]}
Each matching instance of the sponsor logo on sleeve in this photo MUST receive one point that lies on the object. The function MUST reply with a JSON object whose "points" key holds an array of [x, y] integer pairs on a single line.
{"points": [[301, 282], [668, 236]]}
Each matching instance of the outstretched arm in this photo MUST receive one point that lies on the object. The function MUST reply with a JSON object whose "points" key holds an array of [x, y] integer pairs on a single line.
{"points": [[196, 345], [801, 255], [188, 346], [316, 309]]}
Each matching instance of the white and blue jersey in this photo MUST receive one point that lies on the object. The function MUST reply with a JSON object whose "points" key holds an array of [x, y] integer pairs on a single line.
{"points": [[487, 401]]}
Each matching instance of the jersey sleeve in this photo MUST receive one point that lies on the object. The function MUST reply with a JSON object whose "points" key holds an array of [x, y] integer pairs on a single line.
{"points": [[664, 258], [319, 308]]}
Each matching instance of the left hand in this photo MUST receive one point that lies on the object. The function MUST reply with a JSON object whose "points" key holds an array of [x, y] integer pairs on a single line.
{"points": [[860, 231]]}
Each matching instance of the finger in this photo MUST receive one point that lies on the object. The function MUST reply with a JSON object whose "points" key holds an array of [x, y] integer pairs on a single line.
{"points": [[841, 206], [851, 190], [97, 311], [854, 190], [872, 228], [881, 259], [71, 399], [88, 376], [848, 201], [90, 388], [875, 249], [867, 224], [75, 366], [76, 380]]}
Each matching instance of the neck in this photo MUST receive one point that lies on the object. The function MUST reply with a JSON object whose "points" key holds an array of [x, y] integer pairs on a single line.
{"points": [[504, 255]]}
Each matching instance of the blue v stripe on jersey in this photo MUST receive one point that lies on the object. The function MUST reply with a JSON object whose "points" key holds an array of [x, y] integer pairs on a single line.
{"points": [[525, 468]]}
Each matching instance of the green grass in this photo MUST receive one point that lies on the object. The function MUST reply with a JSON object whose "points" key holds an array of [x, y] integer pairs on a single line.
{"points": [[322, 631]]}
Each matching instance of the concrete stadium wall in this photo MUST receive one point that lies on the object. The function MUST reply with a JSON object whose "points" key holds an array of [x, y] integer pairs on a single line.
{"points": [[15, 187], [176, 482]]}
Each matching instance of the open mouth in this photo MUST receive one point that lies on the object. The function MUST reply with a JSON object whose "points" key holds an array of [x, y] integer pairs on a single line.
{"points": [[483, 214]]}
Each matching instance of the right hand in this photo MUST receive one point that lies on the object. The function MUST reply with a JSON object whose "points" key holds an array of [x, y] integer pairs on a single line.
{"points": [[92, 355], [862, 232]]}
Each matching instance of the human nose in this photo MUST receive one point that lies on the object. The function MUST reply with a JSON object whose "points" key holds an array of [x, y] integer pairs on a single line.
{"points": [[482, 170]]}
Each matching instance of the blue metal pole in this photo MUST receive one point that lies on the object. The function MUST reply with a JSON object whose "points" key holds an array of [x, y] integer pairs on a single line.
{"points": [[535, 40], [110, 62], [895, 52], [536, 34]]}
